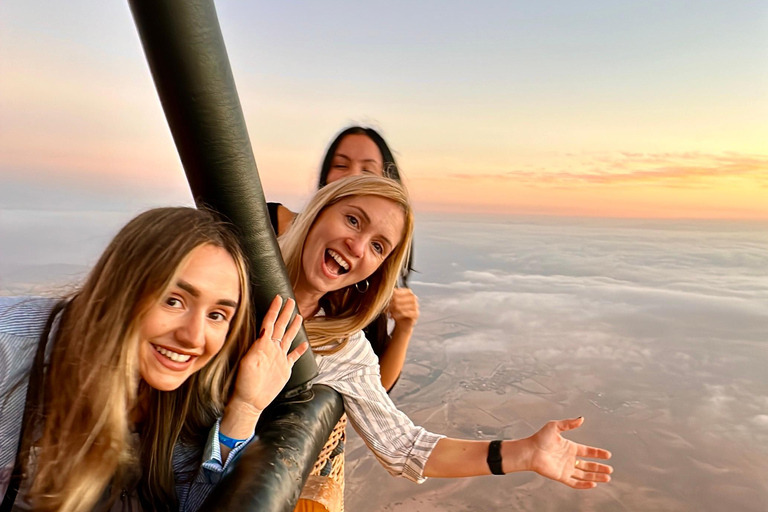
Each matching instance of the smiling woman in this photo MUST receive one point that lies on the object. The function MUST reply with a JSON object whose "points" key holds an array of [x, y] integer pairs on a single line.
{"points": [[362, 151], [358, 230], [183, 332], [140, 375]]}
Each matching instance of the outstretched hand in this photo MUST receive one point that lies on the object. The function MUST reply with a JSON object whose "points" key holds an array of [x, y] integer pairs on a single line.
{"points": [[560, 459], [266, 367]]}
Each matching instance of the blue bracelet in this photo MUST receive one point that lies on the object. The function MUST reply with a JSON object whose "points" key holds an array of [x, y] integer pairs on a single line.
{"points": [[229, 442]]}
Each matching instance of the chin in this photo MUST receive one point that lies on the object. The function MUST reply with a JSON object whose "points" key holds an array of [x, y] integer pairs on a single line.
{"points": [[163, 384]]}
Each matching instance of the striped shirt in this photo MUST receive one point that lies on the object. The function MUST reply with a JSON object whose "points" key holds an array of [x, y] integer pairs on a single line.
{"points": [[400, 446], [22, 321]]}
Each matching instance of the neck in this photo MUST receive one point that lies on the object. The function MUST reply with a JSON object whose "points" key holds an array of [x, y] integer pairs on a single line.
{"points": [[307, 301]]}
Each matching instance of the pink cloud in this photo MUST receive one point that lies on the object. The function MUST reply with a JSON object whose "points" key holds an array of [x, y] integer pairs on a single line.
{"points": [[678, 170]]}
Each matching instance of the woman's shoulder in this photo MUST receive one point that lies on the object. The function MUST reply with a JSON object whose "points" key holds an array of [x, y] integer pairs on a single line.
{"points": [[24, 316], [355, 350]]}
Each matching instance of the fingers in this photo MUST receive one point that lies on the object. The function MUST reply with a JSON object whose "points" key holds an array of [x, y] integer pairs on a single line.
{"points": [[283, 319], [580, 484], [592, 468], [592, 452], [291, 333], [404, 305], [588, 474], [268, 324], [296, 353], [563, 425]]}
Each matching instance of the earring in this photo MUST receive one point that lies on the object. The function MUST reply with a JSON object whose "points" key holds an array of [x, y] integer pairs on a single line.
{"points": [[357, 286]]}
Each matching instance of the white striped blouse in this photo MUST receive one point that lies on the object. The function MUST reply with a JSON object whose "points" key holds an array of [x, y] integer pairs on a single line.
{"points": [[400, 446]]}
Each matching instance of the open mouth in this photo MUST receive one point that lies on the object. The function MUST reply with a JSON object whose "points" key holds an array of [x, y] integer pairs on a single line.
{"points": [[335, 263], [173, 356]]}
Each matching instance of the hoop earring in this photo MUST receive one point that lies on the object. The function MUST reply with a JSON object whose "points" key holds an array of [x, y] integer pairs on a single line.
{"points": [[357, 286]]}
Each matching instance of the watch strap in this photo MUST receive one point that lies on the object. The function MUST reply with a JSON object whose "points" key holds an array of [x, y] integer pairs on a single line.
{"points": [[494, 457]]}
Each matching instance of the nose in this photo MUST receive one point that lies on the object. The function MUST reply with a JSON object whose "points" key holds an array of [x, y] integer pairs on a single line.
{"points": [[356, 245], [191, 332]]}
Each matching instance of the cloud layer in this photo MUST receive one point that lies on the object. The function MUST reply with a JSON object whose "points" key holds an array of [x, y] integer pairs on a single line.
{"points": [[654, 331]]}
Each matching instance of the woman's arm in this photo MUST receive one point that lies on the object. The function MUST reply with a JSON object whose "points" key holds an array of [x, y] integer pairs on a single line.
{"points": [[410, 451], [546, 452], [263, 372], [404, 309], [400, 446]]}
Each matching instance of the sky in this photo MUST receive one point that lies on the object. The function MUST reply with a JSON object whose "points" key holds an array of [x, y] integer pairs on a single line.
{"points": [[572, 108]]}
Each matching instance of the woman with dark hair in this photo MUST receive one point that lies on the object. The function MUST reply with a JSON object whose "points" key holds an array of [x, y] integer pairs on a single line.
{"points": [[358, 151], [140, 388]]}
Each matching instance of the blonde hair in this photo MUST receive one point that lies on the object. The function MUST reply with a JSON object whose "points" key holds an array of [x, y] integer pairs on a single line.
{"points": [[93, 382], [348, 311]]}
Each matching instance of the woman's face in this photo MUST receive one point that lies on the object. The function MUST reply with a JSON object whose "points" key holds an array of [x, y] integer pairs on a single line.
{"points": [[189, 325], [356, 155], [349, 241]]}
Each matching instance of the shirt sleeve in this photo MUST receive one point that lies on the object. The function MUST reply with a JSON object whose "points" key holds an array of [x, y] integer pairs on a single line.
{"points": [[192, 493], [400, 446], [22, 320], [212, 454]]}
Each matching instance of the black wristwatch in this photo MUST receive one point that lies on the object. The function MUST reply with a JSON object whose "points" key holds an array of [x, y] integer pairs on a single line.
{"points": [[494, 457]]}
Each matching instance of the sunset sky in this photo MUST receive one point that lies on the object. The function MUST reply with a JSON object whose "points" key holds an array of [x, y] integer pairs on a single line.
{"points": [[592, 107]]}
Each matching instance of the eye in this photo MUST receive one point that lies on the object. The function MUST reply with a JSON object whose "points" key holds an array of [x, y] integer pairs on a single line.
{"points": [[378, 247], [352, 220], [173, 302], [218, 316]]}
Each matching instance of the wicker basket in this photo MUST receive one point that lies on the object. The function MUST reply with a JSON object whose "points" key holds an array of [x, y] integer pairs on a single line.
{"points": [[324, 490]]}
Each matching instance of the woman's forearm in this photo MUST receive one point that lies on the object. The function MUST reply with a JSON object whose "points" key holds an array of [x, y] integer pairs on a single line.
{"points": [[455, 458], [393, 358], [239, 422], [546, 452]]}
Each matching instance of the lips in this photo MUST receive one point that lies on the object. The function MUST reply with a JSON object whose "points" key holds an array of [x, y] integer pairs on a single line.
{"points": [[172, 360], [335, 263]]}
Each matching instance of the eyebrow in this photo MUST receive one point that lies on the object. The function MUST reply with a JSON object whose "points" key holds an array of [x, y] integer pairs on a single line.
{"points": [[371, 160], [196, 293], [364, 214]]}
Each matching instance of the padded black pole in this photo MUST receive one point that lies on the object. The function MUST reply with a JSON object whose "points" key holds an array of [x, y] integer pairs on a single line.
{"points": [[186, 54], [278, 463]]}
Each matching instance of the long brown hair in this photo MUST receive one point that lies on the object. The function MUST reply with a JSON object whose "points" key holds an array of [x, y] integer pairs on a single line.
{"points": [[348, 311], [93, 381]]}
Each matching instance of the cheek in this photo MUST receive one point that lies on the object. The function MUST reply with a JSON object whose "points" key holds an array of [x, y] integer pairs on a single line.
{"points": [[371, 268], [215, 344], [332, 176], [153, 323]]}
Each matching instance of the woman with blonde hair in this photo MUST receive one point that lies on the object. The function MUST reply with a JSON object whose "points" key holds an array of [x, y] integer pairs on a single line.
{"points": [[362, 151], [343, 255], [143, 385]]}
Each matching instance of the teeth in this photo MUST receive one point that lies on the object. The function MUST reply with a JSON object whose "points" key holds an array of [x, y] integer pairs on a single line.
{"points": [[173, 356], [343, 264]]}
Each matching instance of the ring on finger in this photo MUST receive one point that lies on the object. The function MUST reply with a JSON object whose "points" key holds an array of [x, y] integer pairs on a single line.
{"points": [[577, 464], [279, 340]]}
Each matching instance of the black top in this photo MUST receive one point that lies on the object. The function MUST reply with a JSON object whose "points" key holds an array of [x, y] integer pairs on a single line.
{"points": [[376, 332], [272, 209]]}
